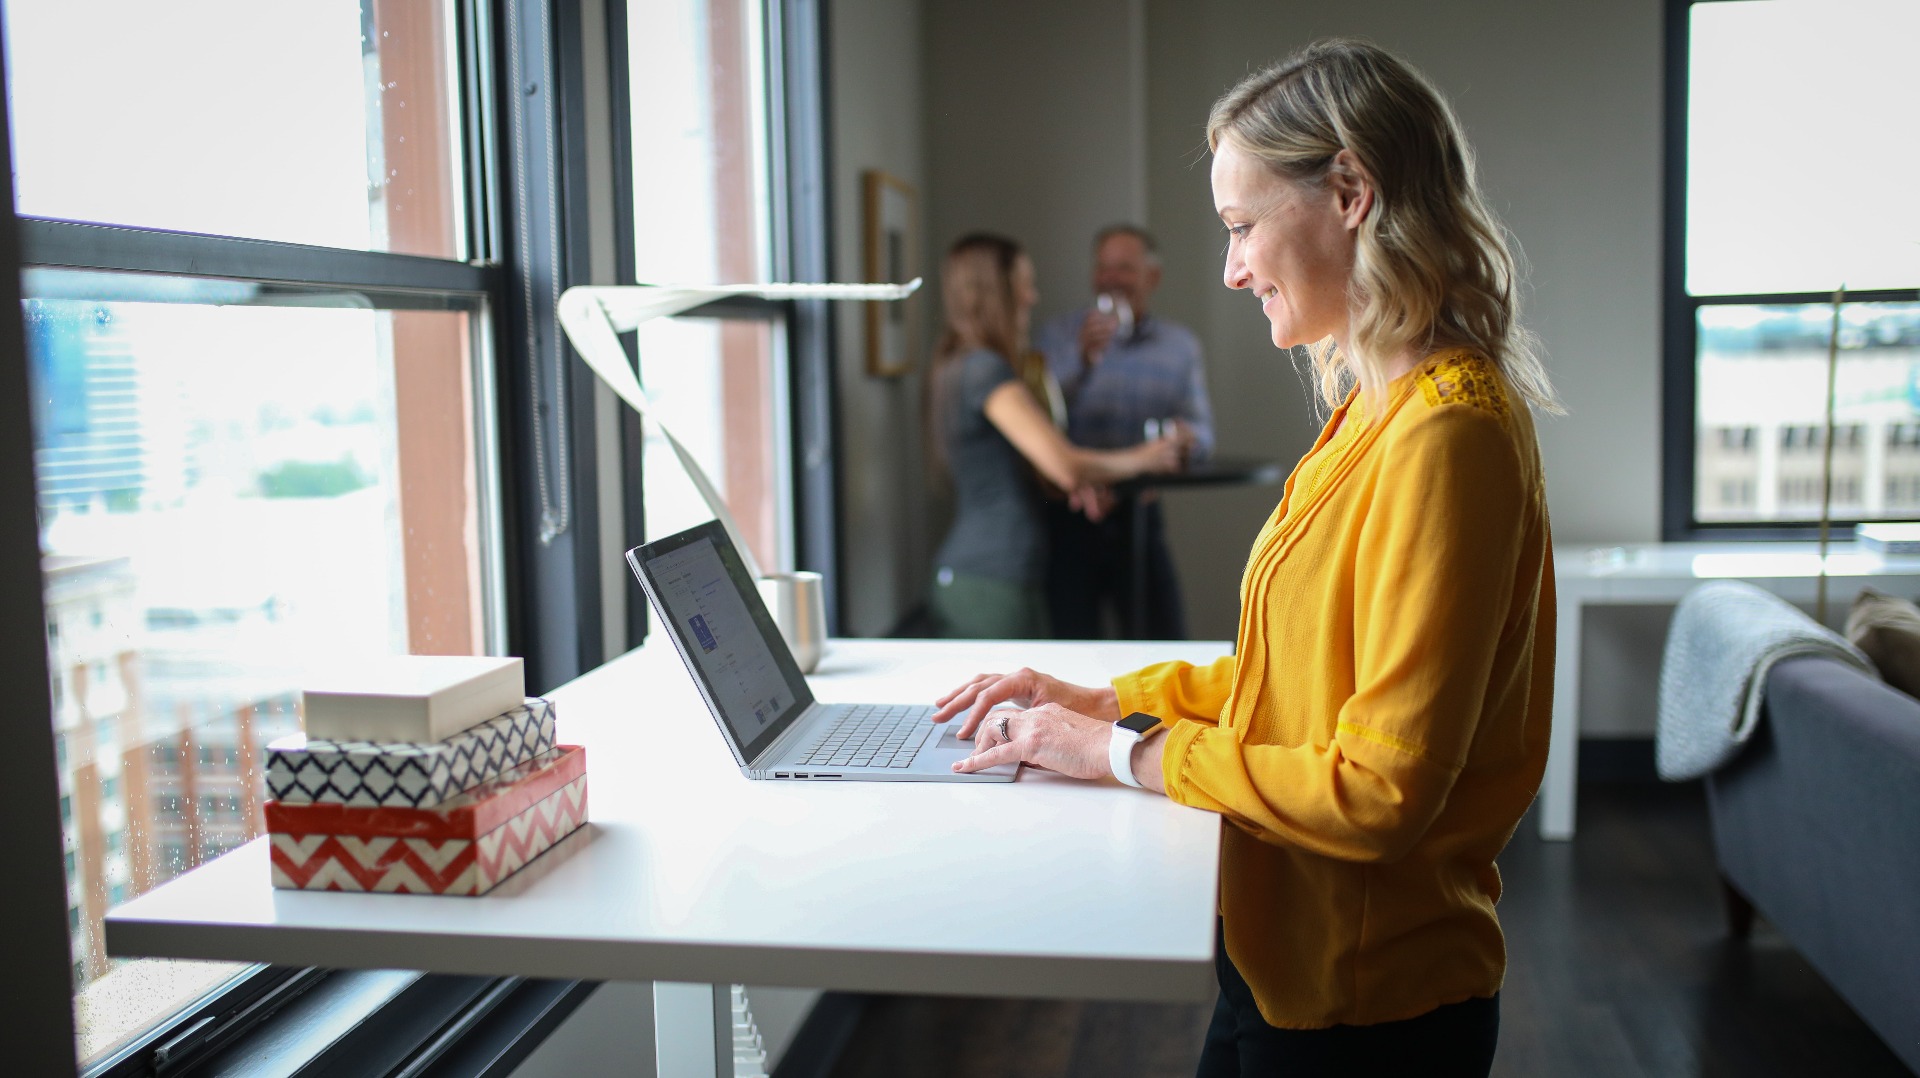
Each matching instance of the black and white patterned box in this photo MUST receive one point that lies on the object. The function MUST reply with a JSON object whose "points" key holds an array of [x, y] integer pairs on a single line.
{"points": [[408, 774]]}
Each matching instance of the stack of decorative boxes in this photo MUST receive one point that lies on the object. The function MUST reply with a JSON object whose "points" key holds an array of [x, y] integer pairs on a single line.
{"points": [[420, 774]]}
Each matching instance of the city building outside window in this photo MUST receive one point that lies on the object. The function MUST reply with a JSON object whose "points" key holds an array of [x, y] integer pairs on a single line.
{"points": [[1760, 238]]}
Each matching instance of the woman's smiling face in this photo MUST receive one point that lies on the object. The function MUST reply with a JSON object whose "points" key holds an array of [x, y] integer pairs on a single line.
{"points": [[1290, 244]]}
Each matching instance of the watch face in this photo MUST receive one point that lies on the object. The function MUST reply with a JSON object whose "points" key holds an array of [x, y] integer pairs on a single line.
{"points": [[1139, 722]]}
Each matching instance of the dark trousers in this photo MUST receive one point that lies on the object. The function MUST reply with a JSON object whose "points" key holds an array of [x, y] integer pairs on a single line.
{"points": [[1092, 573], [1453, 1041]]}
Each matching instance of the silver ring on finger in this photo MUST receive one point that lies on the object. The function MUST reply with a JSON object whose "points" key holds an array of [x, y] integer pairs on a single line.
{"points": [[1000, 727]]}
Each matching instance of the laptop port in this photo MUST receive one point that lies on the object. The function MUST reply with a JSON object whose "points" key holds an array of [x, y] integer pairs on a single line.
{"points": [[781, 775]]}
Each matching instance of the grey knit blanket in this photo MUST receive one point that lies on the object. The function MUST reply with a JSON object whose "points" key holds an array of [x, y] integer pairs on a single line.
{"points": [[1724, 638]]}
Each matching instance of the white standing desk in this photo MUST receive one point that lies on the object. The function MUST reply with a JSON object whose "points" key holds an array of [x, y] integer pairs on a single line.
{"points": [[689, 872], [1648, 573]]}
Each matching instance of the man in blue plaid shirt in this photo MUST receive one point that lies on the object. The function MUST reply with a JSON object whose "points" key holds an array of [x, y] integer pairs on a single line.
{"points": [[1121, 369]]}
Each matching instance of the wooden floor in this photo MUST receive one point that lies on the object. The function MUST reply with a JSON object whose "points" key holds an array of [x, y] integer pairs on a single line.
{"points": [[1620, 965]]}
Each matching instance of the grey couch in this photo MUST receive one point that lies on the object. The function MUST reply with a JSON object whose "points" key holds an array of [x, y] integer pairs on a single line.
{"points": [[1816, 824]]}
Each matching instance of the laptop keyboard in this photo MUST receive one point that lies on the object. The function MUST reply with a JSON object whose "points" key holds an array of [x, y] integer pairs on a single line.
{"points": [[869, 735]]}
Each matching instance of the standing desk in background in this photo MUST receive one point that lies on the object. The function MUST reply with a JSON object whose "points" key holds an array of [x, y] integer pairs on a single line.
{"points": [[694, 877], [1218, 472], [1651, 573]]}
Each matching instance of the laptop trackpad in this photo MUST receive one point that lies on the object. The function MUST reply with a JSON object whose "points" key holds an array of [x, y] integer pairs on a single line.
{"points": [[943, 752], [950, 740]]}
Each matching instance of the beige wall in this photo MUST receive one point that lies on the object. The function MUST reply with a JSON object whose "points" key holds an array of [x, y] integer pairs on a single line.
{"points": [[1036, 126], [878, 111]]}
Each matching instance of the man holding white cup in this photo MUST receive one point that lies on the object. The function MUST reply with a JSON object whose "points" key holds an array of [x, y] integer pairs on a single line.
{"points": [[1121, 368]]}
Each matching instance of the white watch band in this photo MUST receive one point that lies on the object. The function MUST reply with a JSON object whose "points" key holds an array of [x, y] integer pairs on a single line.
{"points": [[1120, 754]]}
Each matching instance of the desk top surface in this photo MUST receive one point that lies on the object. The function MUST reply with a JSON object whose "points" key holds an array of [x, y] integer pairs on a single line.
{"points": [[1710, 561], [1214, 472], [688, 871]]}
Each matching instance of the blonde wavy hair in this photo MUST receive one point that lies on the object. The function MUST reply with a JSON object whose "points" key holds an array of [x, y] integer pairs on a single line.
{"points": [[1432, 266], [980, 311]]}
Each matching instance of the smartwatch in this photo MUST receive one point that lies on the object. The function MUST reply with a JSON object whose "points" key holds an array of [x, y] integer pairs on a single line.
{"points": [[1126, 734]]}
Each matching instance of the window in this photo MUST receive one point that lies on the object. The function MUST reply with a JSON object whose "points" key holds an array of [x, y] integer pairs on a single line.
{"points": [[343, 111], [709, 220], [723, 180], [263, 406], [1757, 245], [291, 348]]}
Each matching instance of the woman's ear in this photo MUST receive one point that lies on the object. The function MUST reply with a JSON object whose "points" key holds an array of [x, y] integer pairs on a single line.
{"points": [[1353, 188]]}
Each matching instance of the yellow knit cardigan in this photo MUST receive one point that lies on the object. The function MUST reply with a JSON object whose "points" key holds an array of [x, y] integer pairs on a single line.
{"points": [[1383, 723]]}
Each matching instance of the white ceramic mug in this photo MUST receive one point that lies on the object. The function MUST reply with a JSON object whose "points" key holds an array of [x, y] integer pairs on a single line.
{"points": [[798, 604]]}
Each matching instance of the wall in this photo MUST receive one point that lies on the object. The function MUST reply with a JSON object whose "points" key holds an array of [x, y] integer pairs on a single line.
{"points": [[1037, 123], [877, 107]]}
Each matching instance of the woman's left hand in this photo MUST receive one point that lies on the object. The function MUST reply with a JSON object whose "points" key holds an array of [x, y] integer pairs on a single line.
{"points": [[1049, 737]]}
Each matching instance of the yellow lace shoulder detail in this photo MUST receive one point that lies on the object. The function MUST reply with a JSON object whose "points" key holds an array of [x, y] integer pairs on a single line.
{"points": [[1464, 378]]}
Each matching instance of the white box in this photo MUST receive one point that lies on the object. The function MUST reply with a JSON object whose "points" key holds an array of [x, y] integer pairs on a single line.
{"points": [[410, 697]]}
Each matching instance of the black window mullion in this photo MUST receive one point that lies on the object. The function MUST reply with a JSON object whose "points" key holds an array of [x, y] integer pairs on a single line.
{"points": [[575, 230], [632, 436], [82, 246], [796, 54], [1873, 295], [545, 396], [1677, 383], [34, 949]]}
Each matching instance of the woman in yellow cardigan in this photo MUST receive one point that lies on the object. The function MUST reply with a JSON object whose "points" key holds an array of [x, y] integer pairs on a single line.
{"points": [[1382, 723]]}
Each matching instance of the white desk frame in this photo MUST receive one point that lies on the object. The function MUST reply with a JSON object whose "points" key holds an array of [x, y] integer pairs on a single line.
{"points": [[691, 875], [1652, 573]]}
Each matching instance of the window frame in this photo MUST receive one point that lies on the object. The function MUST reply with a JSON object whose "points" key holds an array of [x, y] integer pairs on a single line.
{"points": [[549, 584], [1679, 331], [505, 1017]]}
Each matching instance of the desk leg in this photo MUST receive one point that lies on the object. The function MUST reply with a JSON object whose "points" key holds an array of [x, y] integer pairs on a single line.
{"points": [[1563, 753], [689, 1024], [1142, 565]]}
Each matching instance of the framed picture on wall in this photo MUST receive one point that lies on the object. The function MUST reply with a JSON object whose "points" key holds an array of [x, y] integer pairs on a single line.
{"points": [[893, 256]]}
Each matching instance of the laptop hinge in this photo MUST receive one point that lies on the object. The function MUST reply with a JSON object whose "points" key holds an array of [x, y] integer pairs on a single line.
{"points": [[786, 742]]}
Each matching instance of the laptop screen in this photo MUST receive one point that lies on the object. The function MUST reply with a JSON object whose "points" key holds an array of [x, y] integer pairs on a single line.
{"points": [[713, 612]]}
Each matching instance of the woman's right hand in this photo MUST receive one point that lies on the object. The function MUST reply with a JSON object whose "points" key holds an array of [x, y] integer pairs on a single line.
{"points": [[1028, 689], [1168, 454]]}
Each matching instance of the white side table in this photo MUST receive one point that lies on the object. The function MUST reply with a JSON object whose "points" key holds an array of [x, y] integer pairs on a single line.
{"points": [[1661, 573]]}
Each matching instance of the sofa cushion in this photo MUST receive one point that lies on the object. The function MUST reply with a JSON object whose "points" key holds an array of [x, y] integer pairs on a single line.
{"points": [[1887, 628]]}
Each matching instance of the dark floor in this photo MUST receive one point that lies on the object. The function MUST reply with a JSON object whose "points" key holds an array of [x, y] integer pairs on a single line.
{"points": [[1620, 965]]}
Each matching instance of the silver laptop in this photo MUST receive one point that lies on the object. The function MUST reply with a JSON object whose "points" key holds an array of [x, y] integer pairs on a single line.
{"points": [[713, 614]]}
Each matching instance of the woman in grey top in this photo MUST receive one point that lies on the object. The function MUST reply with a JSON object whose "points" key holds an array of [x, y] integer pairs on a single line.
{"points": [[994, 437]]}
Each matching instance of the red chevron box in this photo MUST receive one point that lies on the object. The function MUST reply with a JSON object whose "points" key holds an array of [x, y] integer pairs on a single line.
{"points": [[463, 846]]}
